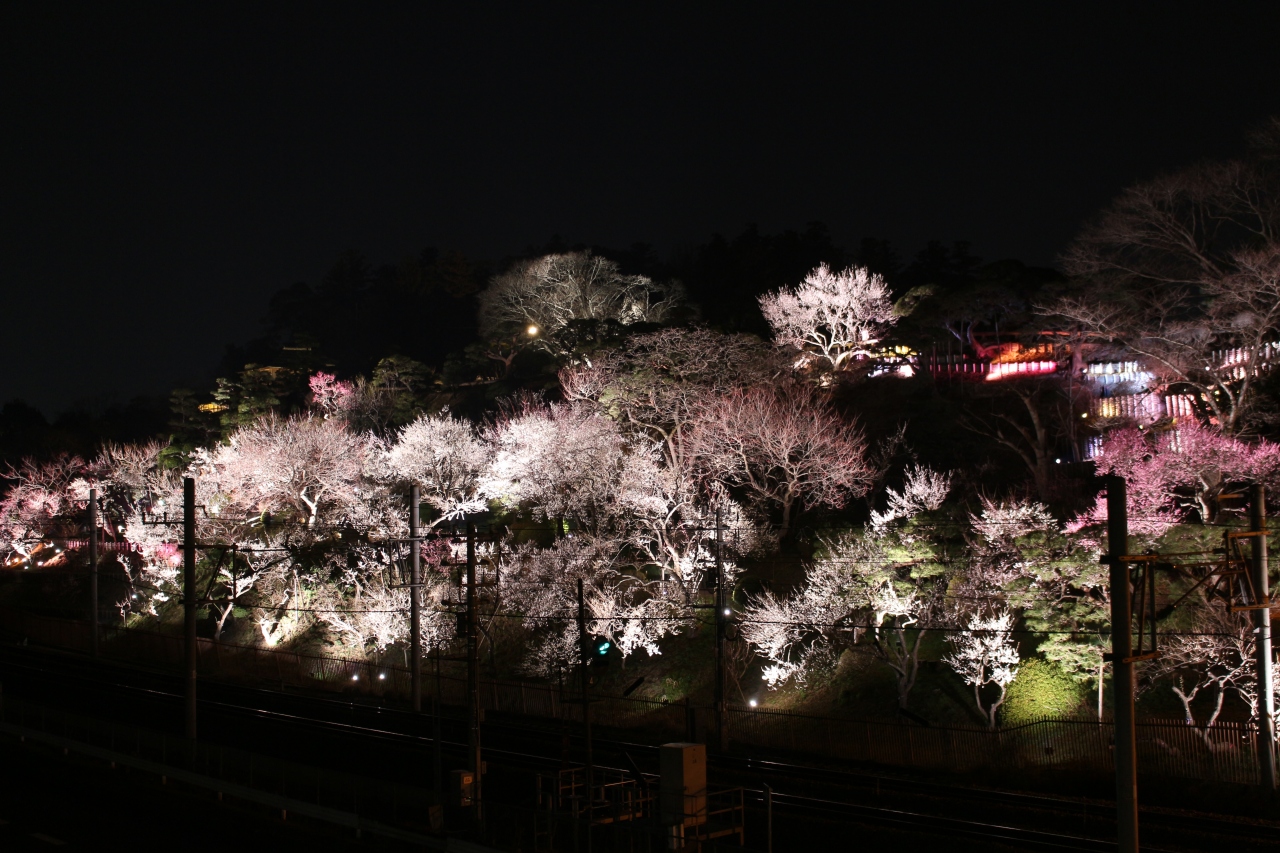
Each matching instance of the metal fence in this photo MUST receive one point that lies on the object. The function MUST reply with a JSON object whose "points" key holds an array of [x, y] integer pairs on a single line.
{"points": [[1225, 753]]}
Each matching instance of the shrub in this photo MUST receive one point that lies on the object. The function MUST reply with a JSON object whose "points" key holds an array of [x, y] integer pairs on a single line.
{"points": [[1042, 689]]}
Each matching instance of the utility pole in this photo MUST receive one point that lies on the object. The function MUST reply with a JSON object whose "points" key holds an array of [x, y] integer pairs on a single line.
{"points": [[415, 600], [93, 571], [722, 727], [189, 598], [437, 768], [1262, 647], [584, 655], [1126, 759], [473, 676]]}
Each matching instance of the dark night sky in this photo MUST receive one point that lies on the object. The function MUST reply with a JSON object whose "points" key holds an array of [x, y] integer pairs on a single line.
{"points": [[166, 170]]}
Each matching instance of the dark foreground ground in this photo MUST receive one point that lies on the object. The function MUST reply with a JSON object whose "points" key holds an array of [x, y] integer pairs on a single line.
{"points": [[48, 802]]}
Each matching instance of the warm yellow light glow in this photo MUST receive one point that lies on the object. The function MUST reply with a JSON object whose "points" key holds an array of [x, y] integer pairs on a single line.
{"points": [[532, 330]]}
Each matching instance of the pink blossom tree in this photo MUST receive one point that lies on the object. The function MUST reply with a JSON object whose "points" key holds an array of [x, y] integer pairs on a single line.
{"points": [[656, 387], [784, 446], [330, 395], [1186, 468], [40, 495]]}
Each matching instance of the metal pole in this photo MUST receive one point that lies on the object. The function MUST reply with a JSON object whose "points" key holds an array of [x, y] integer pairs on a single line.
{"points": [[1126, 759], [415, 603], [1262, 618], [189, 597], [768, 818], [93, 571], [721, 602], [584, 652], [436, 760], [473, 673]]}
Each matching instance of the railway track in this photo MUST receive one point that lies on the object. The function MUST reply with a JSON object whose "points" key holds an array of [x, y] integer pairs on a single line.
{"points": [[801, 793]]}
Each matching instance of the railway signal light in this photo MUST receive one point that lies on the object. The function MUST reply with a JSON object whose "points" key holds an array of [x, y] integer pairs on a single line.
{"points": [[600, 647]]}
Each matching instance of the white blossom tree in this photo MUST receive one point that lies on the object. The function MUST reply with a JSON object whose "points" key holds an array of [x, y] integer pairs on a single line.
{"points": [[833, 318], [1212, 656], [445, 457], [985, 653], [540, 584], [1020, 553], [879, 583], [561, 462], [301, 467], [545, 295]]}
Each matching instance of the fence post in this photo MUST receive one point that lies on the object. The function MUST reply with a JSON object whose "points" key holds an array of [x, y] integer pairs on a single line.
{"points": [[768, 818], [586, 704]]}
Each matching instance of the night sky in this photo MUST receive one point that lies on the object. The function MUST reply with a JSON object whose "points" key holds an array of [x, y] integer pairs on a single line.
{"points": [[166, 170]]}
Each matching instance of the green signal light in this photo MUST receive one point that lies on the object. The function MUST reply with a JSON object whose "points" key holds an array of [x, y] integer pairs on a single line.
{"points": [[603, 648]]}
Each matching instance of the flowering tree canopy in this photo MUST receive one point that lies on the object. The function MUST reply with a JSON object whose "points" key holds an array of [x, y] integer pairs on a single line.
{"points": [[1168, 472], [832, 317], [782, 446], [984, 653], [442, 455], [880, 583], [39, 494], [550, 292], [1182, 272]]}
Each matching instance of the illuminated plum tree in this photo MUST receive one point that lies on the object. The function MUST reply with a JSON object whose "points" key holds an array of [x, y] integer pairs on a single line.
{"points": [[1056, 581], [40, 494], [1215, 658], [658, 383], [656, 387], [445, 457], [833, 318], [1182, 271], [985, 654], [542, 297], [540, 584], [561, 462], [783, 446], [1187, 468], [300, 468], [880, 583]]}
